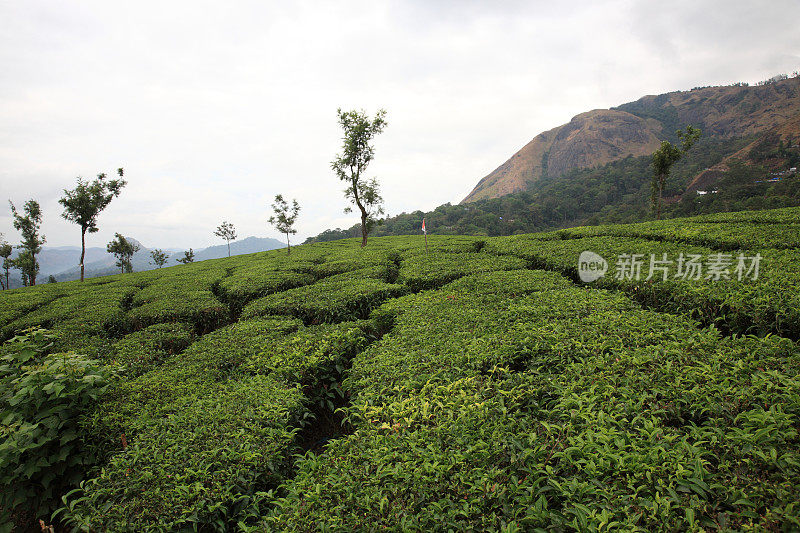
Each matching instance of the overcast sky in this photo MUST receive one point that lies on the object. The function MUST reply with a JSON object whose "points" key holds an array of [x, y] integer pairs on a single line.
{"points": [[214, 107]]}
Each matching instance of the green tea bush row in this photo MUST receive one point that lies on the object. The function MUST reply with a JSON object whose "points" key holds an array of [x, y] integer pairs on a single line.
{"points": [[427, 271], [344, 297], [144, 350], [729, 237], [767, 305], [207, 465], [219, 436], [556, 407]]}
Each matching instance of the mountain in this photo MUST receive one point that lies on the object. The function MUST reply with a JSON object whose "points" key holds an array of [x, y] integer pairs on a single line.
{"points": [[603, 136], [250, 245], [62, 261]]}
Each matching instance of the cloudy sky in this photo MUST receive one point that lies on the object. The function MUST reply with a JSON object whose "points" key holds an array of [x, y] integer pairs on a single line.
{"points": [[214, 107]]}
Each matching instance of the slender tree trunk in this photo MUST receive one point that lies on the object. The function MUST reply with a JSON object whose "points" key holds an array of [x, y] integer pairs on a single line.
{"points": [[229, 248], [363, 228], [288, 246], [658, 203], [83, 249]]}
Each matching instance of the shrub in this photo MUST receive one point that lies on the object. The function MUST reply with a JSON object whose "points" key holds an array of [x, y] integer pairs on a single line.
{"points": [[345, 297], [207, 466], [42, 397], [433, 270], [144, 350]]}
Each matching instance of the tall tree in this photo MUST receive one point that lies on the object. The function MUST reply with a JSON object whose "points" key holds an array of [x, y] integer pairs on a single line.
{"points": [[123, 250], [284, 218], [188, 257], [159, 257], [350, 165], [663, 159], [227, 232], [5, 254], [84, 203], [31, 244]]}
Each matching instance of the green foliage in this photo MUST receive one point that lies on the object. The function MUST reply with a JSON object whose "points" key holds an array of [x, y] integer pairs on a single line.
{"points": [[206, 466], [5, 254], [29, 226], [226, 231], [347, 296], [159, 257], [42, 397], [123, 250], [550, 405], [663, 160], [284, 218], [188, 257], [83, 204], [434, 270], [343, 388], [352, 162], [142, 351]]}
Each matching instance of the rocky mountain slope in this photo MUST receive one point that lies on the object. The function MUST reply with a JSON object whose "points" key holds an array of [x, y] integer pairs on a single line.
{"points": [[602, 136]]}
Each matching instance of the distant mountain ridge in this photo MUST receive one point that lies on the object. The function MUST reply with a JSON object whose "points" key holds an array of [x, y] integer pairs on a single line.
{"points": [[637, 128]]}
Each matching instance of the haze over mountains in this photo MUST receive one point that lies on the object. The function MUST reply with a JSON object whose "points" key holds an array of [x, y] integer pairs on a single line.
{"points": [[62, 261], [637, 128]]}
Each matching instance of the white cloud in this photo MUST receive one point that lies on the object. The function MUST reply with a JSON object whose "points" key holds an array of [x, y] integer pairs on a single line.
{"points": [[214, 108]]}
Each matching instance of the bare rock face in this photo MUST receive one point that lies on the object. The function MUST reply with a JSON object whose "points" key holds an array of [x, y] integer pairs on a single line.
{"points": [[637, 128], [599, 137], [593, 138]]}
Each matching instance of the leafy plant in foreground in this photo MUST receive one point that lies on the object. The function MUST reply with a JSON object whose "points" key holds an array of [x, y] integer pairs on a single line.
{"points": [[43, 396]]}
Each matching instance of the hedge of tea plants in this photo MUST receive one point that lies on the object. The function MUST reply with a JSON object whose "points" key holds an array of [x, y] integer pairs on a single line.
{"points": [[464, 384]]}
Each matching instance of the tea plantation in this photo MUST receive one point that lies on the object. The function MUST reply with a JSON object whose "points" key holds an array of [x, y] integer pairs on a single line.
{"points": [[477, 386]]}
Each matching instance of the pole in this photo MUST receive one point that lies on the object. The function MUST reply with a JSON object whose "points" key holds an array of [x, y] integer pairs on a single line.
{"points": [[425, 231]]}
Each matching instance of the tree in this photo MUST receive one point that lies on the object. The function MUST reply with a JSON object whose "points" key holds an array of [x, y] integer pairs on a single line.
{"points": [[663, 159], [84, 203], [284, 218], [123, 250], [5, 253], [159, 257], [51, 279], [31, 244], [350, 165], [227, 232], [188, 257]]}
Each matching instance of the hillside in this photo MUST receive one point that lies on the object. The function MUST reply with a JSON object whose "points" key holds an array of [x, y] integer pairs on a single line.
{"points": [[62, 261], [634, 129], [477, 386]]}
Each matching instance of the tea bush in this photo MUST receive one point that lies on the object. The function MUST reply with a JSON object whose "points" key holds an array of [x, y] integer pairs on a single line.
{"points": [[583, 411], [144, 350], [767, 305], [434, 270], [344, 297], [399, 387], [207, 465]]}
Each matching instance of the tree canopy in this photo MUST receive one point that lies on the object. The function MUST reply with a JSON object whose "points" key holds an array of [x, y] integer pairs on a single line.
{"points": [[285, 217], [84, 203], [351, 164]]}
